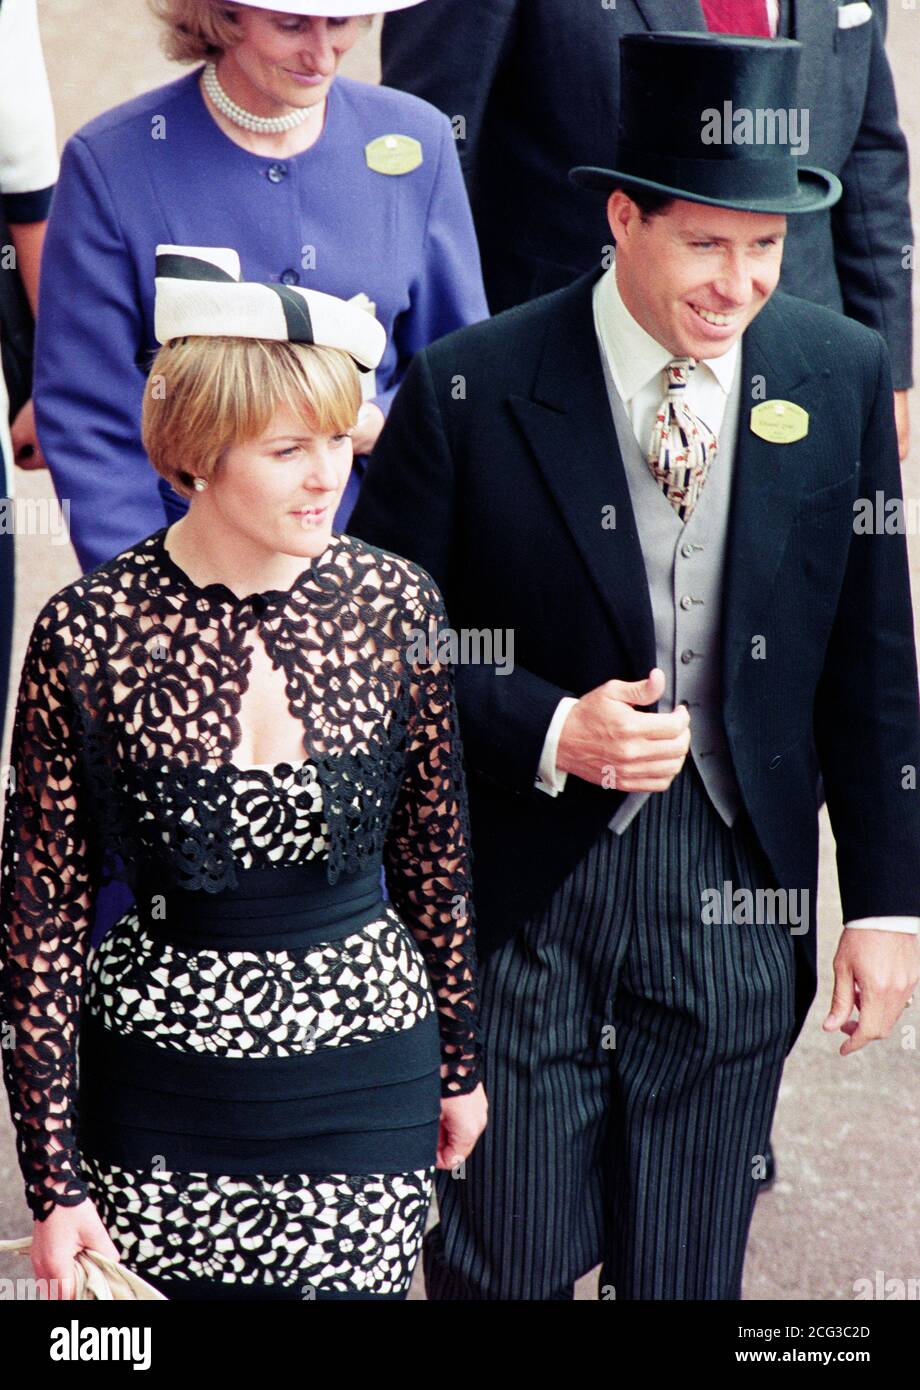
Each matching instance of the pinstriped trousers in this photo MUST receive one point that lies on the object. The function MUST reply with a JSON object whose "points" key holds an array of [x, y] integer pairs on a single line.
{"points": [[632, 1061]]}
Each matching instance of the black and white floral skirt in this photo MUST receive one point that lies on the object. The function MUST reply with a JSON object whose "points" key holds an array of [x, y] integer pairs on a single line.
{"points": [[260, 1081]]}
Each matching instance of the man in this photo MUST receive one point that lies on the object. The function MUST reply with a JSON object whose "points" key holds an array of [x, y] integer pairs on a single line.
{"points": [[28, 170], [647, 933], [535, 85]]}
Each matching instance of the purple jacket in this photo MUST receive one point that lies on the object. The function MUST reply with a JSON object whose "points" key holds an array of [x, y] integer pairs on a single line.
{"points": [[159, 169]]}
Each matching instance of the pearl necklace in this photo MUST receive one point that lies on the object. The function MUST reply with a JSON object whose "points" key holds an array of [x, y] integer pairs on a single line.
{"points": [[264, 125]]}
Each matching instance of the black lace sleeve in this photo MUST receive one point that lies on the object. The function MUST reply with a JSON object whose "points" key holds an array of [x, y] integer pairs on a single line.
{"points": [[47, 891], [427, 851]]}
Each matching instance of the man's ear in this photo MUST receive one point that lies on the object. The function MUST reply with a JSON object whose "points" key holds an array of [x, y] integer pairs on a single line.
{"points": [[617, 212]]}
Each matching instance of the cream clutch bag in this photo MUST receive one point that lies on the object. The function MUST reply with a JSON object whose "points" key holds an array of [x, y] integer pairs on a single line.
{"points": [[98, 1277]]}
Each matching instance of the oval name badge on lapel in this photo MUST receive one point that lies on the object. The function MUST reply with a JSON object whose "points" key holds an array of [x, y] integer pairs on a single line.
{"points": [[779, 422], [393, 154]]}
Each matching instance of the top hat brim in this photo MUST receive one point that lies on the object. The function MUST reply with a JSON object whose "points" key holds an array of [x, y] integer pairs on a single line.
{"points": [[816, 189]]}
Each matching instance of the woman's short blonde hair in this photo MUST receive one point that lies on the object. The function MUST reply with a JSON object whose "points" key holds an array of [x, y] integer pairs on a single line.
{"points": [[200, 29], [204, 395]]}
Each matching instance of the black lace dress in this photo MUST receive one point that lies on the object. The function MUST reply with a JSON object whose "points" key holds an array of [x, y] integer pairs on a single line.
{"points": [[245, 1073]]}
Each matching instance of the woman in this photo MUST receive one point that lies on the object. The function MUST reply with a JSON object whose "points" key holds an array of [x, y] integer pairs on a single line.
{"points": [[359, 189], [233, 707], [28, 169]]}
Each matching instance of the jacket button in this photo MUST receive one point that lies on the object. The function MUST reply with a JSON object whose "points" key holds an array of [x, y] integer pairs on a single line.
{"points": [[686, 602], [775, 760], [277, 172], [686, 550], [289, 277], [687, 656]]}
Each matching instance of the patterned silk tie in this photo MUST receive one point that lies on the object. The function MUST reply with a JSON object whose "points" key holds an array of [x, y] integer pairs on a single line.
{"points": [[683, 445], [737, 17]]}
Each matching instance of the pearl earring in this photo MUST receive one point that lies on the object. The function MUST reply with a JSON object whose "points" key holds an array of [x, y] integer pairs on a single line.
{"points": [[200, 484]]}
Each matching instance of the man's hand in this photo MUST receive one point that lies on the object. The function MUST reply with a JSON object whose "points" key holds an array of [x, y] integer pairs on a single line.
{"points": [[902, 423], [875, 972], [607, 741]]}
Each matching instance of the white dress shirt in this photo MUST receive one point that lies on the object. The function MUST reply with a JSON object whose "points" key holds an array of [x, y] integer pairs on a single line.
{"points": [[637, 362]]}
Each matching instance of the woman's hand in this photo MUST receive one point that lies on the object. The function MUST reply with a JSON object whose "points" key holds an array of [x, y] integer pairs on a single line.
{"points": [[27, 451], [58, 1240], [463, 1118]]}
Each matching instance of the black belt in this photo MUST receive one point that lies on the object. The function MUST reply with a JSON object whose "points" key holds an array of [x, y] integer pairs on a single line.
{"points": [[268, 909], [369, 1107]]}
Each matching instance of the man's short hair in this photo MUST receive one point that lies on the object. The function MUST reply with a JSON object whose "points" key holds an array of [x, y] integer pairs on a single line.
{"points": [[648, 200]]}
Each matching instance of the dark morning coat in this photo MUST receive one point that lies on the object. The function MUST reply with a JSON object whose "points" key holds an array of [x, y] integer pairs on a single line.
{"points": [[493, 472]]}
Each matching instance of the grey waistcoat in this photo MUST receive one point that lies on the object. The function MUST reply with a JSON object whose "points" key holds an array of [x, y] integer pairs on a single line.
{"points": [[684, 564]]}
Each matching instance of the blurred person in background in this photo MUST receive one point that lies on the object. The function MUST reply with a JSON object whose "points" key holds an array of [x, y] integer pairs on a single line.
{"points": [[321, 181], [28, 170], [536, 83]]}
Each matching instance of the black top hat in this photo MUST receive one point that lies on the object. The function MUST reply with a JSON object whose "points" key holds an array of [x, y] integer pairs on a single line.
{"points": [[708, 117]]}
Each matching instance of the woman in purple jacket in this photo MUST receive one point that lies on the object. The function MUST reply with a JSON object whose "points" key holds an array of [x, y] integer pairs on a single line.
{"points": [[320, 181]]}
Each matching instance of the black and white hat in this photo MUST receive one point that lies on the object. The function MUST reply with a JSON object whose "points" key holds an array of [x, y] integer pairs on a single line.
{"points": [[199, 293]]}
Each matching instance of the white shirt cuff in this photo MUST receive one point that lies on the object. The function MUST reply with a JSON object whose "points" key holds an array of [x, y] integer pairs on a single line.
{"points": [[906, 924], [549, 778]]}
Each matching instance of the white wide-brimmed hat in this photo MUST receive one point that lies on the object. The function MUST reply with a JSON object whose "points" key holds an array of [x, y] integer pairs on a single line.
{"points": [[199, 293], [329, 9]]}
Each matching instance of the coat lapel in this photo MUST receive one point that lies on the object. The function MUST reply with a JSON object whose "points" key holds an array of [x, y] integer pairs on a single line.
{"points": [[569, 427], [814, 24], [768, 480], [682, 15]]}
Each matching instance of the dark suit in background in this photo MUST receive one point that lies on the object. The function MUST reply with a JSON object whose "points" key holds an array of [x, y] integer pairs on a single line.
{"points": [[537, 84]]}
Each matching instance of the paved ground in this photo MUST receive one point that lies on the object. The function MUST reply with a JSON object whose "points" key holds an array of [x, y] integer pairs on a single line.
{"points": [[847, 1133]]}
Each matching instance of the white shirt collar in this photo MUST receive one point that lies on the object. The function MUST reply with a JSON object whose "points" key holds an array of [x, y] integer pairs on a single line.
{"points": [[635, 357]]}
